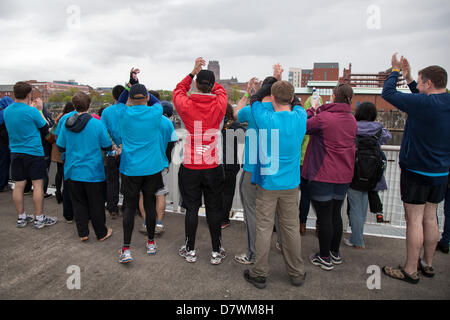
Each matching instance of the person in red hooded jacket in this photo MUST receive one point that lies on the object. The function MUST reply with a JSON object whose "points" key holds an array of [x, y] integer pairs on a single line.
{"points": [[328, 166], [201, 173]]}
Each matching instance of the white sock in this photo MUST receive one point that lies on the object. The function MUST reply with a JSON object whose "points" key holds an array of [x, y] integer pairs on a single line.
{"points": [[23, 216]]}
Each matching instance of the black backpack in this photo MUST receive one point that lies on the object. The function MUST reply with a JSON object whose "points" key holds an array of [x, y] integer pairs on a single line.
{"points": [[369, 164]]}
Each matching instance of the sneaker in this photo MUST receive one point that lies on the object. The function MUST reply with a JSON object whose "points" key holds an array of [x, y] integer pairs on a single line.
{"points": [[125, 256], [159, 228], [22, 223], [151, 247], [217, 257], [380, 219], [143, 229], [348, 243], [324, 263], [68, 221], [335, 258], [242, 258], [190, 256], [298, 281], [259, 282], [47, 221], [47, 195]]}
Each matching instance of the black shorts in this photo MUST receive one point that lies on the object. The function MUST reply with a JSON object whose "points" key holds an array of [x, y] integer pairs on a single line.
{"points": [[132, 185], [418, 189], [25, 166]]}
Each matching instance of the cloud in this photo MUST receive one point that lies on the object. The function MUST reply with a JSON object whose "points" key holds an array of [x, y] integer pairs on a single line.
{"points": [[164, 37]]}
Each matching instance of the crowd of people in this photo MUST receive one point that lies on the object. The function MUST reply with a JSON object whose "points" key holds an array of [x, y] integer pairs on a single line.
{"points": [[296, 156]]}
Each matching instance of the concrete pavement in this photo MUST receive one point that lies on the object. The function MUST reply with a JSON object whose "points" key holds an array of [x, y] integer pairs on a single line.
{"points": [[34, 265]]}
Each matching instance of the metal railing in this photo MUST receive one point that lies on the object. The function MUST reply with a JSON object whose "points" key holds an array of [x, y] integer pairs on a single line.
{"points": [[392, 203]]}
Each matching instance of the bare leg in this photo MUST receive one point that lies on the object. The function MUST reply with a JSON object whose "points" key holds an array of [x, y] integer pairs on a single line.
{"points": [[17, 196], [414, 235], [430, 232], [38, 196], [160, 207]]}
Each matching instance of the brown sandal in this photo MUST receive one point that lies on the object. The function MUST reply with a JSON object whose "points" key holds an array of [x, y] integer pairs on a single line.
{"points": [[401, 274], [108, 234]]}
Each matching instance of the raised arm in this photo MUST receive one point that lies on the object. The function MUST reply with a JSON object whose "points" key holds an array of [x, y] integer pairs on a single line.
{"points": [[123, 98], [180, 97], [251, 89], [406, 71], [405, 102]]}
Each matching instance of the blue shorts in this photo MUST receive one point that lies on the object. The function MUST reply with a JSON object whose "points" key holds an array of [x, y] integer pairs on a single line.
{"points": [[324, 191]]}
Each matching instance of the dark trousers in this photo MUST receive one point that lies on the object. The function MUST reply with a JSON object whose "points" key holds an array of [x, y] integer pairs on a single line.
{"points": [[59, 176], [112, 183], [375, 204], [193, 184], [228, 193], [67, 202], [329, 221], [5, 162], [131, 187], [304, 199], [88, 199]]}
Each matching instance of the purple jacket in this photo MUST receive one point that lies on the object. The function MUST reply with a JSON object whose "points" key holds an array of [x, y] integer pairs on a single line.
{"points": [[371, 128], [330, 156]]}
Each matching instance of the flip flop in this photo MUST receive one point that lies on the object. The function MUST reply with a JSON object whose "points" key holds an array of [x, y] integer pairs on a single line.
{"points": [[401, 274], [427, 271], [83, 239]]}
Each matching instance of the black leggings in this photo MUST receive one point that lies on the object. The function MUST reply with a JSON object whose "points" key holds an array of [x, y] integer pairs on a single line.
{"points": [[375, 204], [59, 176], [329, 222], [209, 183], [131, 186]]}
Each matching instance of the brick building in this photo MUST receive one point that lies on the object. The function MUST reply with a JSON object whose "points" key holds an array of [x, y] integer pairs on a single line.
{"points": [[46, 89], [214, 67]]}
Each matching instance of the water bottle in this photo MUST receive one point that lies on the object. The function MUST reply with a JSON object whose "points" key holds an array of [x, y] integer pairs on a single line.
{"points": [[315, 95]]}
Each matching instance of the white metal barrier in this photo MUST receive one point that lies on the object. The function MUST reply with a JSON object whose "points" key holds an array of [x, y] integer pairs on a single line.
{"points": [[392, 204]]}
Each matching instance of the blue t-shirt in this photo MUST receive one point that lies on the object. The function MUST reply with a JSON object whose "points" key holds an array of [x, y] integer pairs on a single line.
{"points": [[167, 134], [141, 150], [83, 156], [111, 120], [280, 140], [251, 136], [23, 123]]}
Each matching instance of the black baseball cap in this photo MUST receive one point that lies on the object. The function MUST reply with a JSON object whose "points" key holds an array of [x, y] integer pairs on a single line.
{"points": [[206, 77], [138, 91]]}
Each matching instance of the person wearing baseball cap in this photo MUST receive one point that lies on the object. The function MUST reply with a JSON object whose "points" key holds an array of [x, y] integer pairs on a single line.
{"points": [[201, 174]]}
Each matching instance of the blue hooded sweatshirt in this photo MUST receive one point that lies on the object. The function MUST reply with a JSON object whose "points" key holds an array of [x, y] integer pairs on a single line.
{"points": [[4, 103]]}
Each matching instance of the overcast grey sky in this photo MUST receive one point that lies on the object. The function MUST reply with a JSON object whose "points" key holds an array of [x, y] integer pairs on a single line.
{"points": [[49, 40]]}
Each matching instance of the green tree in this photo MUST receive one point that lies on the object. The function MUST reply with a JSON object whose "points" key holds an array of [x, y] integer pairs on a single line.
{"points": [[166, 95], [235, 94]]}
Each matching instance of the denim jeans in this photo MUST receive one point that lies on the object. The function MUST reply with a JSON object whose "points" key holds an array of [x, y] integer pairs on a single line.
{"points": [[446, 234], [358, 202]]}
